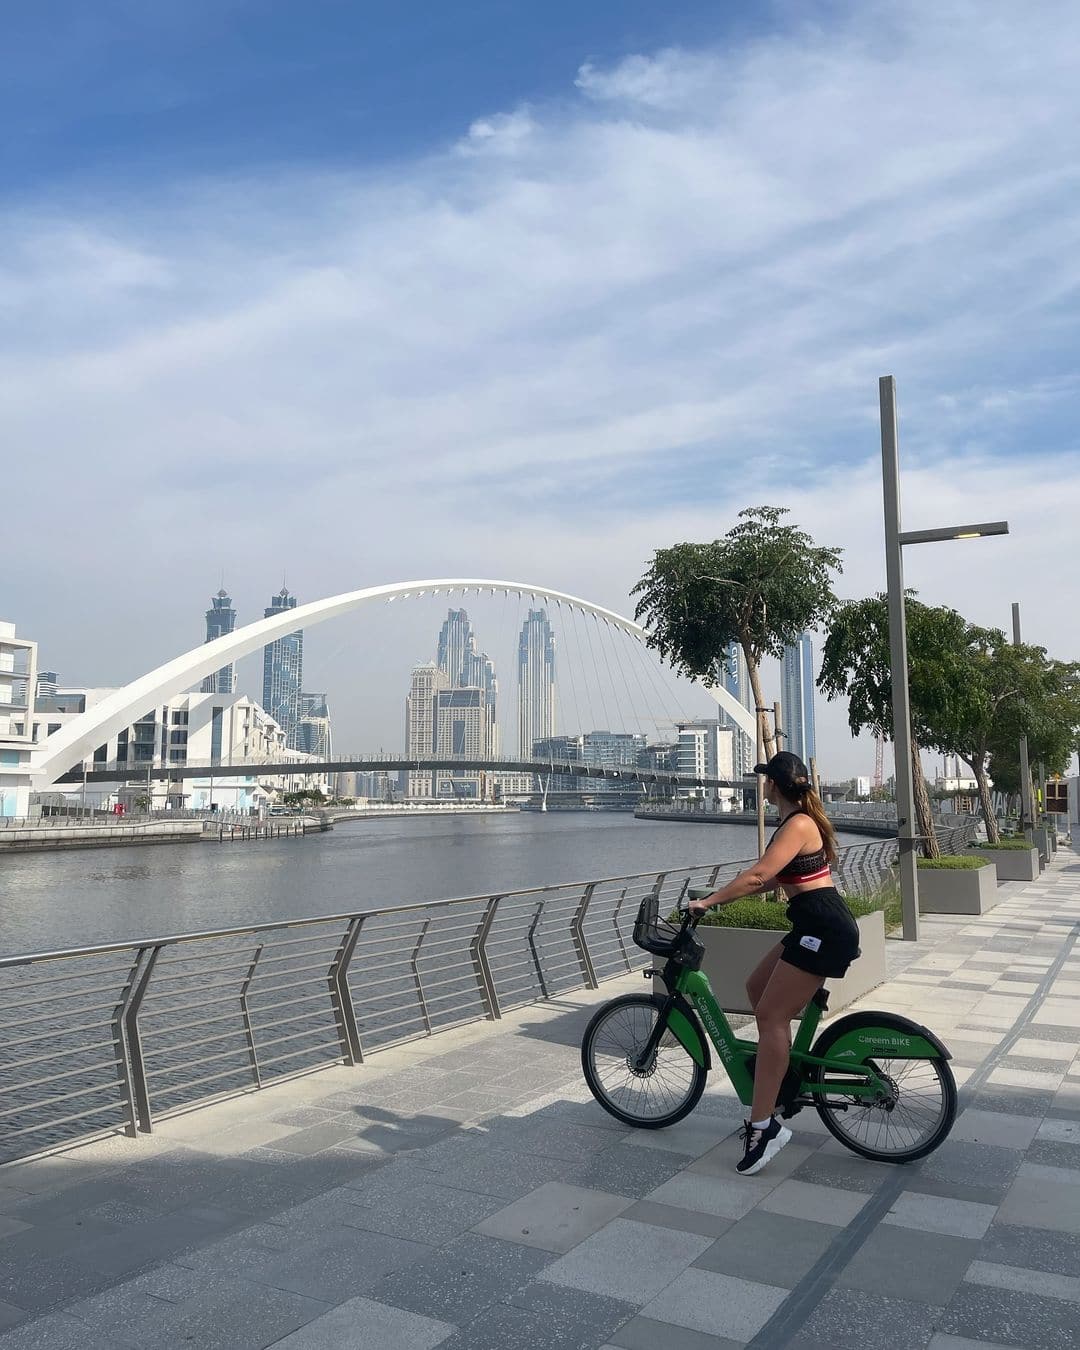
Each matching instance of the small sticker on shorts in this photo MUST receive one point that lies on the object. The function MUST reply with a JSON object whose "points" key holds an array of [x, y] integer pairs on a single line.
{"points": [[812, 944]]}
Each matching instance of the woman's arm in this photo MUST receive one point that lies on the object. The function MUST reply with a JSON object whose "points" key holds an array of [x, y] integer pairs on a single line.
{"points": [[788, 841]]}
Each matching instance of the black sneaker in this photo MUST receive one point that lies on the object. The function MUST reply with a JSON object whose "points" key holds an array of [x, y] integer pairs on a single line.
{"points": [[761, 1145]]}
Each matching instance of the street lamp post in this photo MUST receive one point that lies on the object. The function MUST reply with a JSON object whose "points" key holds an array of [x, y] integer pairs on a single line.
{"points": [[1027, 806], [895, 540]]}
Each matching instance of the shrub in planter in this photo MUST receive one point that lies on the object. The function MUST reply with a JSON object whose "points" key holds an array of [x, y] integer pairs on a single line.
{"points": [[965, 884], [1020, 845], [959, 862]]}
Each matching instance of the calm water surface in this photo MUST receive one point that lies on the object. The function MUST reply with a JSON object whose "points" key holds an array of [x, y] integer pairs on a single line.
{"points": [[72, 899]]}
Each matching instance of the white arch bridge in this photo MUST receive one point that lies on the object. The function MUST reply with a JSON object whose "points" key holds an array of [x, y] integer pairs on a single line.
{"points": [[539, 768], [76, 742]]}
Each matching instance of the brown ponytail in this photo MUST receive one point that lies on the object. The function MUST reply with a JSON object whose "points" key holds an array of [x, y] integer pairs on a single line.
{"points": [[811, 803]]}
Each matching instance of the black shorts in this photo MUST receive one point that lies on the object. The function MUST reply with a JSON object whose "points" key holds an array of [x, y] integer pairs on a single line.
{"points": [[824, 938]]}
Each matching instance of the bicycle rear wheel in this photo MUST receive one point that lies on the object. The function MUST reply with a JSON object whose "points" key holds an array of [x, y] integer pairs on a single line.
{"points": [[657, 1094], [921, 1107]]}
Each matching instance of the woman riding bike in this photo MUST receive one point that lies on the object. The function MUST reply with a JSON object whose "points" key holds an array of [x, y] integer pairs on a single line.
{"points": [[823, 942]]}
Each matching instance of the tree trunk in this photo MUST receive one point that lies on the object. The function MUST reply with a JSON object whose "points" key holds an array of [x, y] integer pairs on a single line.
{"points": [[767, 737], [978, 768], [924, 817]]}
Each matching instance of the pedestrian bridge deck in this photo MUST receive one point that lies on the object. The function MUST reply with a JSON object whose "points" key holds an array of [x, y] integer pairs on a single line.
{"points": [[463, 1192]]}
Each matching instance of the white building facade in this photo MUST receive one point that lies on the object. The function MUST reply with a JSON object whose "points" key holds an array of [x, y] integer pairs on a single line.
{"points": [[18, 682], [706, 749]]}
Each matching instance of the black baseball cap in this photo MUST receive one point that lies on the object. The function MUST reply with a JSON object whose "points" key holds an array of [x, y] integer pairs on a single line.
{"points": [[787, 771]]}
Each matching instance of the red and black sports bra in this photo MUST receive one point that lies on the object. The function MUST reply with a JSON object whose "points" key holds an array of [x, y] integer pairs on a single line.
{"points": [[804, 866]]}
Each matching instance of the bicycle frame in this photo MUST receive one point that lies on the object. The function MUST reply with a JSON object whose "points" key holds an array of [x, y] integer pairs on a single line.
{"points": [[693, 986]]}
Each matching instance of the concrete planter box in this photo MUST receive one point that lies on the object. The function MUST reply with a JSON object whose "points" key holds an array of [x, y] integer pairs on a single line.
{"points": [[958, 891], [732, 953], [1012, 864], [1040, 837]]}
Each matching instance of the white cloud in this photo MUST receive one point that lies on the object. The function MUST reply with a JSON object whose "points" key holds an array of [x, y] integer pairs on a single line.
{"points": [[584, 330]]}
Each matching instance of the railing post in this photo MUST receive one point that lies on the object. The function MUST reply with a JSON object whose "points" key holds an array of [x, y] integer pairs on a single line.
{"points": [[119, 1034], [581, 945], [416, 976], [245, 1013], [481, 967], [537, 966], [618, 930], [341, 997], [139, 1089]]}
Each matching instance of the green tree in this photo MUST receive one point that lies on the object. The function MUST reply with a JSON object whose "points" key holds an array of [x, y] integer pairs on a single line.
{"points": [[761, 585], [856, 664], [1015, 690]]}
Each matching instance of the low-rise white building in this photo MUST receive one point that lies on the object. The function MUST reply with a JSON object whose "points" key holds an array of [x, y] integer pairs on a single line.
{"points": [[706, 749], [18, 680], [188, 729]]}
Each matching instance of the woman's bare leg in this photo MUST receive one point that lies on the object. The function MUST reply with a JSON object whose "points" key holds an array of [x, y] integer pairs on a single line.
{"points": [[787, 993], [760, 975]]}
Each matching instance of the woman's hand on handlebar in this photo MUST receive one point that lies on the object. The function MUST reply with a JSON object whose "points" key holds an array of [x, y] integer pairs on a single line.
{"points": [[697, 909]]}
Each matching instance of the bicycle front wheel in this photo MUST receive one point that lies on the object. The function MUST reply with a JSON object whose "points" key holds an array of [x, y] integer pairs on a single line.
{"points": [[918, 1113], [649, 1096]]}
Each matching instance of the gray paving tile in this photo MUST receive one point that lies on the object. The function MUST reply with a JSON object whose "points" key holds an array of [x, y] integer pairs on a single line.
{"points": [[554, 1217], [627, 1171], [543, 1317], [551, 1139], [459, 1280], [57, 1332], [1004, 1316], [316, 1138], [943, 1342], [969, 1164], [773, 1244], [363, 1324], [681, 1220], [996, 1128], [727, 1198], [850, 1319], [435, 1213], [1013, 1101], [249, 1317], [10, 1316], [850, 1173], [902, 1263], [1032, 1248], [819, 1204], [1052, 1153], [721, 1305], [939, 1214], [624, 1261], [336, 1265], [1041, 1203], [500, 1172], [298, 1116], [695, 1135], [642, 1333], [1024, 1281]]}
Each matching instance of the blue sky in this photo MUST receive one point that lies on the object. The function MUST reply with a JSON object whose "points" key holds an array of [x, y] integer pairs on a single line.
{"points": [[368, 292], [133, 91]]}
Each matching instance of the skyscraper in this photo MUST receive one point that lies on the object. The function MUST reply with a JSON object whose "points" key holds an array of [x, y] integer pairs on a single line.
{"points": [[798, 706], [536, 682], [283, 671], [736, 680], [427, 681], [456, 653], [466, 668], [220, 619], [313, 729]]}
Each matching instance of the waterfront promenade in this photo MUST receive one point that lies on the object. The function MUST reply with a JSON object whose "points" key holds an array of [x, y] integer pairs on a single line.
{"points": [[464, 1192]]}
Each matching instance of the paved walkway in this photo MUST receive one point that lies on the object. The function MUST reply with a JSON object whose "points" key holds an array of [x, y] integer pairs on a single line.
{"points": [[464, 1192]]}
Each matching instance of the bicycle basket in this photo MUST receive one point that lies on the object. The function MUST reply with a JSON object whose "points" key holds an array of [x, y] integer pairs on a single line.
{"points": [[662, 938]]}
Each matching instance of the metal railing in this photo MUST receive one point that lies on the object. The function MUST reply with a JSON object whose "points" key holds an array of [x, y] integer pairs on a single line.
{"points": [[109, 1036]]}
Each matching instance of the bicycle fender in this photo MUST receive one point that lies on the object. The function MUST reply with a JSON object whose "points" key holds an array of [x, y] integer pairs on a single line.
{"points": [[902, 1040], [683, 1024]]}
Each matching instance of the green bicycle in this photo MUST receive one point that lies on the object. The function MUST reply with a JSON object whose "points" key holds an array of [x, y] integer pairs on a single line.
{"points": [[881, 1083]]}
